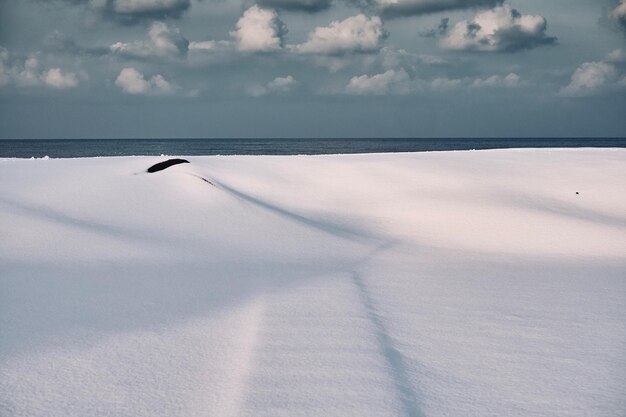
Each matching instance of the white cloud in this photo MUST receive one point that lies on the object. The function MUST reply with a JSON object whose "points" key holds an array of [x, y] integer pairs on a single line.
{"points": [[593, 78], [55, 78], [164, 41], [202, 45], [617, 56], [281, 83], [502, 29], [619, 14], [511, 80], [445, 84], [167, 40], [259, 30], [620, 10], [590, 78], [132, 81], [5, 69], [392, 58], [376, 84], [160, 84], [277, 85], [210, 46], [414, 64], [355, 34], [28, 74]]}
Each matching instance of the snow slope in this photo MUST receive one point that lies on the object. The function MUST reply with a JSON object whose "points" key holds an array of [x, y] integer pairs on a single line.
{"points": [[430, 284]]}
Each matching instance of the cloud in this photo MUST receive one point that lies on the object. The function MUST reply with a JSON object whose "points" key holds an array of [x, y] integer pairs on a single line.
{"points": [[148, 6], [401, 8], [590, 78], [502, 29], [617, 56], [391, 57], [619, 14], [55, 78], [398, 81], [281, 83], [277, 85], [376, 84], [593, 78], [201, 50], [445, 84], [511, 80], [310, 6], [59, 42], [28, 74], [259, 30], [495, 81], [439, 31], [132, 81], [387, 58], [416, 65], [164, 42], [203, 45], [5, 72], [356, 34], [210, 53], [131, 11]]}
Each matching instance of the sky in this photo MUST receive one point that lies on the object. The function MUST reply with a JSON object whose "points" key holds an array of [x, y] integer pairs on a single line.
{"points": [[312, 68]]}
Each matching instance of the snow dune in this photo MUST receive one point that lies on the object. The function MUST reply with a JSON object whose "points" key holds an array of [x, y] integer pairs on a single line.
{"points": [[423, 285]]}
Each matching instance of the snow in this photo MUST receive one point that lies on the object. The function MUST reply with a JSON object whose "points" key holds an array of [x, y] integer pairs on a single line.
{"points": [[425, 284]]}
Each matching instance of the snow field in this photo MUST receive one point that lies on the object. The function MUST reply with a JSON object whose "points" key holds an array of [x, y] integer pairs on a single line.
{"points": [[437, 284]]}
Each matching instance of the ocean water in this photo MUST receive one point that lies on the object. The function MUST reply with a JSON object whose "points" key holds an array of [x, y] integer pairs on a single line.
{"points": [[76, 148]]}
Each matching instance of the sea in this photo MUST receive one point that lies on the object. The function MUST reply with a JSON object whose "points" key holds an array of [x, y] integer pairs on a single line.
{"points": [[79, 148]]}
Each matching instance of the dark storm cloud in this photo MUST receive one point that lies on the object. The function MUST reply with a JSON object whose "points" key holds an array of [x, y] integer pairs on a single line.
{"points": [[130, 11], [133, 11], [516, 39], [309, 6], [403, 8]]}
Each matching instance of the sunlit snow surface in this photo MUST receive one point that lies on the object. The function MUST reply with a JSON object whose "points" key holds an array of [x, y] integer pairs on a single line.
{"points": [[434, 284]]}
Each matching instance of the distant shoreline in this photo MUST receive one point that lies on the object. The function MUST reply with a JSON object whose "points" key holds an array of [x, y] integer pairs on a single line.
{"points": [[76, 148]]}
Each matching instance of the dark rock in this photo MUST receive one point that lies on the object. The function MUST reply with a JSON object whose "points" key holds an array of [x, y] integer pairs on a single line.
{"points": [[166, 164]]}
